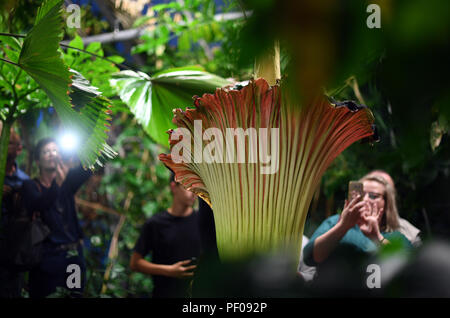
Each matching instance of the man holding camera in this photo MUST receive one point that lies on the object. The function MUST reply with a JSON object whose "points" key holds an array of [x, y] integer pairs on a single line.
{"points": [[52, 195]]}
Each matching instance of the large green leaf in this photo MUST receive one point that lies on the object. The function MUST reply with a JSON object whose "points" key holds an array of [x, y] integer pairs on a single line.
{"points": [[41, 59], [78, 104], [152, 99], [93, 112]]}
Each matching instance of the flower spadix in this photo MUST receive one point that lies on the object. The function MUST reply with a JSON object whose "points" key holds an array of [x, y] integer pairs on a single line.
{"points": [[257, 157]]}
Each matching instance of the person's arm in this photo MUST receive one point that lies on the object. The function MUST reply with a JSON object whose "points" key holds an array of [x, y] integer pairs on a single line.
{"points": [[177, 270], [145, 245], [327, 242], [76, 177]]}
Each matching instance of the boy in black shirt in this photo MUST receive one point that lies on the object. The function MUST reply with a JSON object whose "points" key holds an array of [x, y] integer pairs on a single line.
{"points": [[172, 237]]}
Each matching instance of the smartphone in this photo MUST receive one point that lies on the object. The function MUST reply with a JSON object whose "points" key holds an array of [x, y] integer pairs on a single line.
{"points": [[355, 186]]}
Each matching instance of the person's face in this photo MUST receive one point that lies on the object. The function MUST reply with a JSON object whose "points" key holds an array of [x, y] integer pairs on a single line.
{"points": [[375, 192], [14, 146], [48, 155], [181, 195]]}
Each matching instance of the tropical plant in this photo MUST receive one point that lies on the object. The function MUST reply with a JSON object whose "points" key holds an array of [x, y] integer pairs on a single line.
{"points": [[152, 99], [258, 211], [193, 32]]}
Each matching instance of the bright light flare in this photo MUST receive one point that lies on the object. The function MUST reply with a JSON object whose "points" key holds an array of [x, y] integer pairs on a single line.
{"points": [[68, 142]]}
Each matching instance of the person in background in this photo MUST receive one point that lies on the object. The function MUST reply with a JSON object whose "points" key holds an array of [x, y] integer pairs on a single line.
{"points": [[172, 238], [14, 176], [11, 281], [406, 228], [364, 224], [52, 195]]}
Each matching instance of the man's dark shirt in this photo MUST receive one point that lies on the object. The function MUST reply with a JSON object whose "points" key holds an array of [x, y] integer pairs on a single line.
{"points": [[207, 229], [57, 205], [169, 239]]}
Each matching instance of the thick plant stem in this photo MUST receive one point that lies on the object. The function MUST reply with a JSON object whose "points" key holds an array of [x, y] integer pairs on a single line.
{"points": [[4, 141], [267, 65]]}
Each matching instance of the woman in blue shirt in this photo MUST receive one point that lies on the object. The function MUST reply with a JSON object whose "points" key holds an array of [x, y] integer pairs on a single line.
{"points": [[365, 223]]}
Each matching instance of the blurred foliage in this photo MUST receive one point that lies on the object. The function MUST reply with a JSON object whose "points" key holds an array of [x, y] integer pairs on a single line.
{"points": [[150, 191], [17, 16], [186, 33], [91, 25], [97, 70], [14, 81]]}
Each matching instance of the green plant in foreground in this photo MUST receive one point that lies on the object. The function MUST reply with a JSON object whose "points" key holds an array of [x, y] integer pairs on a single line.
{"points": [[256, 212]]}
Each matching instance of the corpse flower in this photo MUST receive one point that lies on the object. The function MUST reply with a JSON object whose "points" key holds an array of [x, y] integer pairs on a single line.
{"points": [[256, 157]]}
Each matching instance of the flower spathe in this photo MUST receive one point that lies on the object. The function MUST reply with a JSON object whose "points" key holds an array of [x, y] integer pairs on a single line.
{"points": [[257, 212]]}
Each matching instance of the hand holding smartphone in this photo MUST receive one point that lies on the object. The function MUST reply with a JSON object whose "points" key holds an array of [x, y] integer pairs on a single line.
{"points": [[355, 188]]}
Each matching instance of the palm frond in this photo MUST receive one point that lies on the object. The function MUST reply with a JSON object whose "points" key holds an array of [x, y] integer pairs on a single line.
{"points": [[152, 99], [78, 104]]}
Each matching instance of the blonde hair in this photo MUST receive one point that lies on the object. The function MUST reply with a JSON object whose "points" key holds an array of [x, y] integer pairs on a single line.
{"points": [[390, 219]]}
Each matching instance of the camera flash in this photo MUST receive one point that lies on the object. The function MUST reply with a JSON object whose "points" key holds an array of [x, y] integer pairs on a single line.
{"points": [[68, 142]]}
